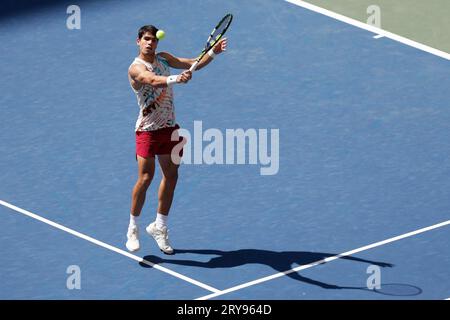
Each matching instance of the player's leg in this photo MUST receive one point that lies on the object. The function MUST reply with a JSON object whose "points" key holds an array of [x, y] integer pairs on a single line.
{"points": [[146, 170], [158, 229], [168, 183]]}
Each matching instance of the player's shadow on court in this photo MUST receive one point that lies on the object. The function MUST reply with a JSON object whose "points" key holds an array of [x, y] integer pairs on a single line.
{"points": [[282, 262], [279, 261]]}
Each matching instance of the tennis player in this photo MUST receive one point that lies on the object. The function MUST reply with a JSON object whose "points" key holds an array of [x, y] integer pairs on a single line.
{"points": [[150, 79]]}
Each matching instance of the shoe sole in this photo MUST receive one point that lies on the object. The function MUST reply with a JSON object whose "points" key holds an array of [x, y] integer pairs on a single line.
{"points": [[132, 250], [169, 254]]}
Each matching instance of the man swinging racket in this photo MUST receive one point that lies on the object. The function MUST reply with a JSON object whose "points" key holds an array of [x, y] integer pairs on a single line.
{"points": [[150, 79]]}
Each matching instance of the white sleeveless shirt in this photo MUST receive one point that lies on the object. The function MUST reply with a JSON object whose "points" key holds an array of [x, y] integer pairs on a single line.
{"points": [[156, 108]]}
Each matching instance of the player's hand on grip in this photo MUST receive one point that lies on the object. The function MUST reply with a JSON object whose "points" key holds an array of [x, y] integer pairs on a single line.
{"points": [[184, 77]]}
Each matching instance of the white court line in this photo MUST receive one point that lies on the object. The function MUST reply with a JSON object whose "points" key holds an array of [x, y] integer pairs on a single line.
{"points": [[378, 36], [313, 264], [370, 28], [109, 247]]}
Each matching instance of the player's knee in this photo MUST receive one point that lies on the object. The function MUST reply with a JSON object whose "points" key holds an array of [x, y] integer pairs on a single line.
{"points": [[171, 176], [145, 180]]}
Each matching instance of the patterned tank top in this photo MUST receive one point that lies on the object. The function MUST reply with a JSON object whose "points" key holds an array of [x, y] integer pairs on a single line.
{"points": [[156, 108]]}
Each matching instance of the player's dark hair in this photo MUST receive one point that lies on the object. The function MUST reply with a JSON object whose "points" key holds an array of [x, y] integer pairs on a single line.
{"points": [[148, 28]]}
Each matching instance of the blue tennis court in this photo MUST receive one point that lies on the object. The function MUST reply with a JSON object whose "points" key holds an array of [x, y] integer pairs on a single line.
{"points": [[352, 133]]}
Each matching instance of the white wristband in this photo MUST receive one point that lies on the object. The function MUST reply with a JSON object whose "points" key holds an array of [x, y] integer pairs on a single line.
{"points": [[171, 79], [211, 53]]}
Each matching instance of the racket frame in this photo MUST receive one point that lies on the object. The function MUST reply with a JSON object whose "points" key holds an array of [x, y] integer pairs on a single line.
{"points": [[212, 42]]}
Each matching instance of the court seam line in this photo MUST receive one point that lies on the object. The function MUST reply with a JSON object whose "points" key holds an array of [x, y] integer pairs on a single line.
{"points": [[323, 261], [109, 247], [370, 28]]}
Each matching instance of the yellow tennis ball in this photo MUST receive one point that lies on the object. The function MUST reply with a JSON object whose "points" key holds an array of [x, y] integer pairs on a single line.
{"points": [[160, 34]]}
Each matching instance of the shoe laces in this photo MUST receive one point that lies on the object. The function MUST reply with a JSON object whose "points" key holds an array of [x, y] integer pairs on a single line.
{"points": [[133, 233], [163, 234]]}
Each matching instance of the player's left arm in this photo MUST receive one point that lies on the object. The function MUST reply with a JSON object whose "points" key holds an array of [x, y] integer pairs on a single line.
{"points": [[186, 63]]}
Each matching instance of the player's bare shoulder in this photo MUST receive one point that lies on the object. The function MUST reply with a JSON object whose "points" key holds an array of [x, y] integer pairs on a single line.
{"points": [[135, 71], [176, 62], [166, 56]]}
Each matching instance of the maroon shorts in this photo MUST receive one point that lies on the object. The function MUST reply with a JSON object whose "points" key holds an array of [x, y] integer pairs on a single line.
{"points": [[151, 143]]}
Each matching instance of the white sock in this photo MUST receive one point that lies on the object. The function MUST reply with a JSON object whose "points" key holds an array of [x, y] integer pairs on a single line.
{"points": [[161, 220], [133, 220]]}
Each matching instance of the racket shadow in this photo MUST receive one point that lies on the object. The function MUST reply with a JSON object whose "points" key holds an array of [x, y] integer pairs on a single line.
{"points": [[391, 289], [280, 261]]}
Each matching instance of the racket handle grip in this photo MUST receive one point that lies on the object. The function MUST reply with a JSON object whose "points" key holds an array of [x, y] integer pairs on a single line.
{"points": [[192, 68]]}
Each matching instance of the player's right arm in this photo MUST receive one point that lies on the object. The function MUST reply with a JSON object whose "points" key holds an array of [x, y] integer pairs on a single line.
{"points": [[140, 75]]}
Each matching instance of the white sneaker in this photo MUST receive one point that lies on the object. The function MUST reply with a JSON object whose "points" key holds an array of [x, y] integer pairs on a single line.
{"points": [[133, 239], [161, 236]]}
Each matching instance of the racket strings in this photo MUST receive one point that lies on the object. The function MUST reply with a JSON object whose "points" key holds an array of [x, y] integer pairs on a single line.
{"points": [[219, 30]]}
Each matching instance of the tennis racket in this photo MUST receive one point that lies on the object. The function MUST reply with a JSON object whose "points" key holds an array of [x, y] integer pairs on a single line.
{"points": [[214, 37]]}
